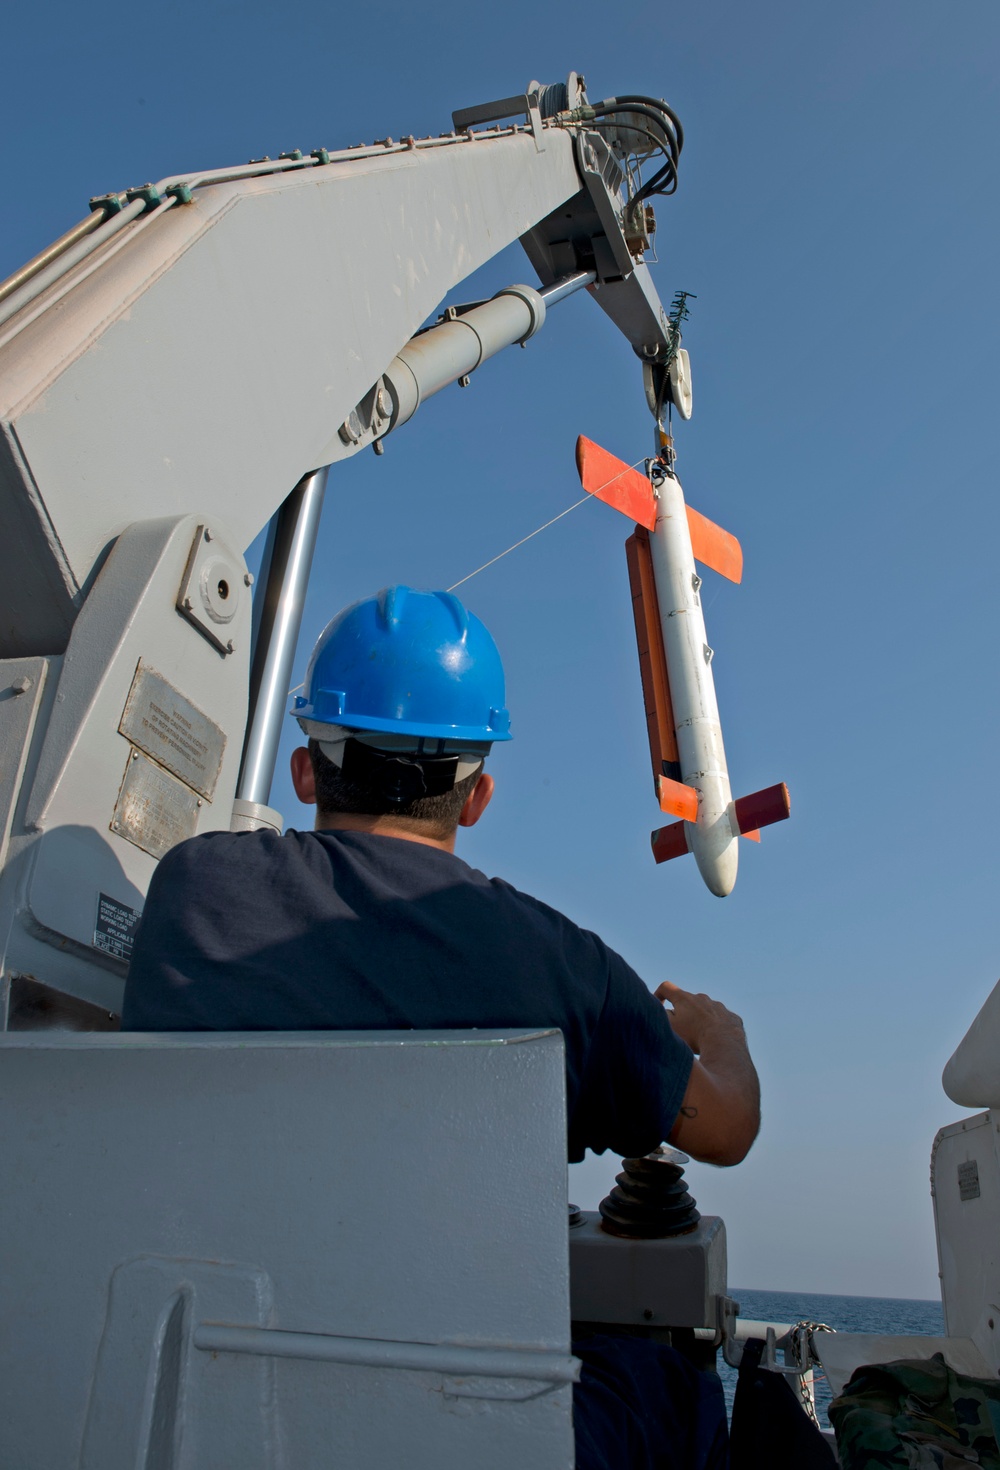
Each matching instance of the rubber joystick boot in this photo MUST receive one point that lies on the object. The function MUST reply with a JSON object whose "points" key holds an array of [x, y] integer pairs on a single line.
{"points": [[650, 1198]]}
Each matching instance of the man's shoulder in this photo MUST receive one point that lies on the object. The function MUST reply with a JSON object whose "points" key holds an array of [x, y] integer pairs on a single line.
{"points": [[568, 932], [227, 853]]}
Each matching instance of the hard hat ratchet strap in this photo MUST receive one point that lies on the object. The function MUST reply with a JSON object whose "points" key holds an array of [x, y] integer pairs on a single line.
{"points": [[398, 778]]}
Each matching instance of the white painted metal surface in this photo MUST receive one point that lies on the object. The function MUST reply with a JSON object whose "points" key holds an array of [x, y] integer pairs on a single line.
{"points": [[965, 1185], [105, 782], [713, 838], [206, 356], [246, 1251], [842, 1352], [972, 1076]]}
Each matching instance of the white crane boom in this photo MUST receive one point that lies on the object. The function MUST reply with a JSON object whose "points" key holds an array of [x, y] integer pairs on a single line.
{"points": [[207, 355]]}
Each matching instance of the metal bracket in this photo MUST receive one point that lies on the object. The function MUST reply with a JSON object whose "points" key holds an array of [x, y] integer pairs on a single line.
{"points": [[108, 204], [148, 193], [795, 1345], [211, 588], [371, 418], [602, 176], [525, 105]]}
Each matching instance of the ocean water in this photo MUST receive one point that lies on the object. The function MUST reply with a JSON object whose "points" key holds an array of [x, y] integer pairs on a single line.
{"points": [[846, 1313]]}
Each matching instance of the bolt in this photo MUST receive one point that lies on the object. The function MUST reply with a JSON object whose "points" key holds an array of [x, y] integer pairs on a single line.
{"points": [[378, 446], [248, 579], [22, 685], [200, 802], [350, 430], [383, 403], [648, 1314], [230, 646], [464, 381], [187, 604], [208, 534], [135, 755]]}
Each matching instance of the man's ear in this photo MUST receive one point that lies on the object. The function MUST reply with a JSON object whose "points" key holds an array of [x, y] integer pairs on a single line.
{"points": [[303, 776], [477, 801]]}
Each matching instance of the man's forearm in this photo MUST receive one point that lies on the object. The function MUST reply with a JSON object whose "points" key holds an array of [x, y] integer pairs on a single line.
{"points": [[726, 1061]]}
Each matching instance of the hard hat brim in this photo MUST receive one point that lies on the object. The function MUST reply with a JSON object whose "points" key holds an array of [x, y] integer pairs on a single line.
{"points": [[479, 734]]}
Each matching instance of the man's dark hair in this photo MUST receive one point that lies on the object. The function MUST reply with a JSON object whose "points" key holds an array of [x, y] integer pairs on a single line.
{"points": [[434, 816]]}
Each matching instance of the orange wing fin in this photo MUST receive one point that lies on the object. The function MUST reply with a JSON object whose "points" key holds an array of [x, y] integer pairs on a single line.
{"points": [[616, 483], [624, 489], [714, 547]]}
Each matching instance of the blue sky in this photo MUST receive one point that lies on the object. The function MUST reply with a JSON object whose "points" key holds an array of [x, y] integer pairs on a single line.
{"points": [[837, 219]]}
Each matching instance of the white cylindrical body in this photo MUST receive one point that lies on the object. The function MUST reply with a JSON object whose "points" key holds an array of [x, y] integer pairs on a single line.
{"points": [[692, 691]]}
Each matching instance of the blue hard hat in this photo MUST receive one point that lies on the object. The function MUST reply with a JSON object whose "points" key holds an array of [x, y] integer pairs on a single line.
{"points": [[407, 663]]}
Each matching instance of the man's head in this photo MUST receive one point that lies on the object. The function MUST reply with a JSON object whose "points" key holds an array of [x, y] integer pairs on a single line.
{"points": [[404, 698]]}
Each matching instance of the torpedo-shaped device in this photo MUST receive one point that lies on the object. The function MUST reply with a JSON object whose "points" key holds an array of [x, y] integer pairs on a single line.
{"points": [[675, 662]]}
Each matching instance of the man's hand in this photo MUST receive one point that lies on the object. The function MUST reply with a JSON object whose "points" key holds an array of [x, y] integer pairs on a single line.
{"points": [[720, 1115], [695, 1016]]}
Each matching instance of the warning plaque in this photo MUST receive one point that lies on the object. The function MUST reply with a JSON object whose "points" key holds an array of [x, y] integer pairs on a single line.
{"points": [[968, 1180], [154, 810], [114, 930], [160, 720]]}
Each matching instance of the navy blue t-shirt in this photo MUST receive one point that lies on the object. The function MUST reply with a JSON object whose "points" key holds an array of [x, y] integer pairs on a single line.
{"points": [[349, 931]]}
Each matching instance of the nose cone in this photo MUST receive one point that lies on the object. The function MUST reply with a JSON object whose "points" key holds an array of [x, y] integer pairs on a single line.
{"points": [[717, 853]]}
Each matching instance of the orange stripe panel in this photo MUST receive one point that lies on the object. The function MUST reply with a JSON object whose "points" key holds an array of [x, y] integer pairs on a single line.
{"points": [[652, 660]]}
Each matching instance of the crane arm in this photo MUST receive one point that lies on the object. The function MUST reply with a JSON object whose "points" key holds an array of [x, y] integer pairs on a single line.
{"points": [[205, 352]]}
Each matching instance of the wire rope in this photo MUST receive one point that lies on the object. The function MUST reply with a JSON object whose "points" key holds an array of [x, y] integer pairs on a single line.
{"points": [[590, 495]]}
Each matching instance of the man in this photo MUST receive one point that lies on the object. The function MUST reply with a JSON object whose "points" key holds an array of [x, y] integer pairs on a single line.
{"points": [[372, 922]]}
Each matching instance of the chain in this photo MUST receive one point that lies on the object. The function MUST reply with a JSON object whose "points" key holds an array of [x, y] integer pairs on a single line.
{"points": [[800, 1341]]}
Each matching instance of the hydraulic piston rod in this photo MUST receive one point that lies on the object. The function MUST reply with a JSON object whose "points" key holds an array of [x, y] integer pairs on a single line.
{"points": [[453, 349], [277, 619]]}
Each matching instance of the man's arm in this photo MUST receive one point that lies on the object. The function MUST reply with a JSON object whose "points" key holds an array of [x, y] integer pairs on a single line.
{"points": [[720, 1115]]}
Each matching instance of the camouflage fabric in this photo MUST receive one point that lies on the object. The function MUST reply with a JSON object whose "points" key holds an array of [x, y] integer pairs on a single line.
{"points": [[917, 1415]]}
